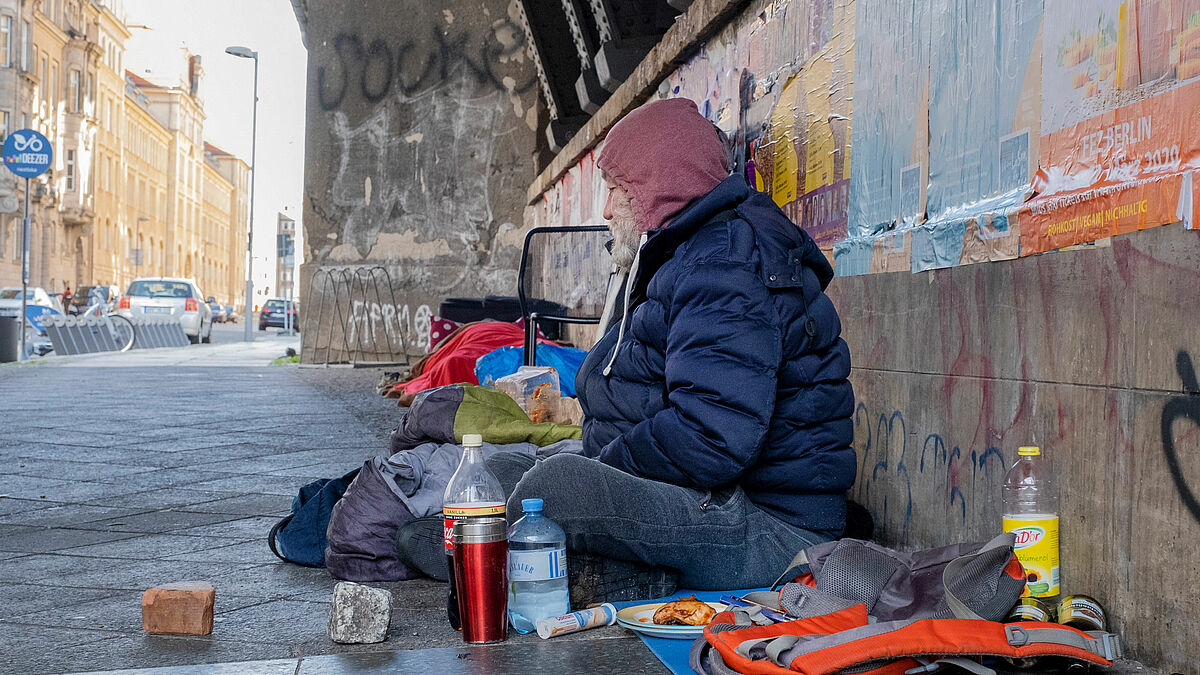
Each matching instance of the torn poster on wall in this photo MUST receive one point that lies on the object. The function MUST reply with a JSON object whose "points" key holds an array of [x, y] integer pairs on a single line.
{"points": [[1121, 104]]}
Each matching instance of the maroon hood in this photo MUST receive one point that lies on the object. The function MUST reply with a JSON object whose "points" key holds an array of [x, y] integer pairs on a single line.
{"points": [[666, 155]]}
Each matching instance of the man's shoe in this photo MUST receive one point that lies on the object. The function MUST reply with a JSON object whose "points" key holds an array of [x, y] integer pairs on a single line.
{"points": [[420, 545], [594, 579]]}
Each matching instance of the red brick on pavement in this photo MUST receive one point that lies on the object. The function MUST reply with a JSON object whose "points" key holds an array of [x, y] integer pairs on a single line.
{"points": [[180, 608]]}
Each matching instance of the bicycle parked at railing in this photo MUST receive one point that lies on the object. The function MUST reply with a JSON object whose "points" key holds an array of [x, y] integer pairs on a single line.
{"points": [[119, 327]]}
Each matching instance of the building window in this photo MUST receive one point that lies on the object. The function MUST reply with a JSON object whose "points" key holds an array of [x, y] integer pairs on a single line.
{"points": [[3, 125], [76, 100], [70, 170], [44, 77], [53, 85], [6, 45], [26, 46]]}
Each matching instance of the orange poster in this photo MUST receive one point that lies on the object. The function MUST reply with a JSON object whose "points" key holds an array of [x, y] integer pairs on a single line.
{"points": [[1121, 171], [1120, 110]]}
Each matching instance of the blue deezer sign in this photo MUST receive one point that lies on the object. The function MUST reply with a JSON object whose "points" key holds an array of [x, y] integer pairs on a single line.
{"points": [[27, 153]]}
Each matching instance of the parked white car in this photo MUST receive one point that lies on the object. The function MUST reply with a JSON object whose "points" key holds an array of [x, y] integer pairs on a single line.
{"points": [[10, 299], [164, 297]]}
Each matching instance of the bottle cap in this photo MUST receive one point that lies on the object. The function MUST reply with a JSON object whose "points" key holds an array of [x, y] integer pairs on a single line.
{"points": [[472, 439], [531, 505], [1029, 451]]}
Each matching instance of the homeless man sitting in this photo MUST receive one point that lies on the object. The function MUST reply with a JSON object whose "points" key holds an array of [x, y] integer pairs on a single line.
{"points": [[717, 414]]}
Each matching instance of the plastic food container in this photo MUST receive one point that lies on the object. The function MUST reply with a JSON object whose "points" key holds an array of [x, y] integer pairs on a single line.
{"points": [[535, 389]]}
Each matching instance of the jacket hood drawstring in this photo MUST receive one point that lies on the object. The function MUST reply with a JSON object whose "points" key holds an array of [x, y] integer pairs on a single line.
{"points": [[629, 282]]}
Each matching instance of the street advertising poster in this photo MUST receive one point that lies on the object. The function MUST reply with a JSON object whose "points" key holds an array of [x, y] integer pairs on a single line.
{"points": [[886, 188], [1121, 106], [804, 153], [890, 133], [984, 109]]}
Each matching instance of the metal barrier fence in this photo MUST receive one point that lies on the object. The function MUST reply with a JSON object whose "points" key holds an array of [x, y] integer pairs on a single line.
{"points": [[88, 335], [155, 333], [344, 342]]}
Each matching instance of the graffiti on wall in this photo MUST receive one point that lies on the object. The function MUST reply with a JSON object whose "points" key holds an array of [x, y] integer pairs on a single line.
{"points": [[372, 67], [424, 130], [894, 459], [1186, 407], [375, 324]]}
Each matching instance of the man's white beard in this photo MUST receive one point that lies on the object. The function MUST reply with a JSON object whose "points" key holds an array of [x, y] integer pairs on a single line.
{"points": [[625, 240]]}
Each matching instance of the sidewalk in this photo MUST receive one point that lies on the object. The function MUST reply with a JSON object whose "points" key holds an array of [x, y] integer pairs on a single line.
{"points": [[119, 472], [261, 352]]}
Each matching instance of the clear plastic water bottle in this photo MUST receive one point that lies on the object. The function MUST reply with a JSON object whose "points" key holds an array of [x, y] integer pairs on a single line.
{"points": [[1031, 513], [537, 569]]}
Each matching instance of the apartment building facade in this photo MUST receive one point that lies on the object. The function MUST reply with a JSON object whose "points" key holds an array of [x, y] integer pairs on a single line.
{"points": [[132, 191]]}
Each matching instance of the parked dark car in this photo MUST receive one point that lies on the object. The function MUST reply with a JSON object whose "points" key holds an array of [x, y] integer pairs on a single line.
{"points": [[272, 314], [218, 312]]}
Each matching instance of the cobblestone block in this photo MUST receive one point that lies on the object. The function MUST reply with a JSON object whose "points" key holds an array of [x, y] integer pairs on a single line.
{"points": [[360, 614]]}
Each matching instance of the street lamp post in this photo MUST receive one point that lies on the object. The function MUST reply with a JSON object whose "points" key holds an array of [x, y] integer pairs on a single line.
{"points": [[246, 53]]}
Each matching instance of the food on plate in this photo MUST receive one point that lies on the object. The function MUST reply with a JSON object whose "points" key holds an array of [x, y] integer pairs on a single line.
{"points": [[684, 612]]}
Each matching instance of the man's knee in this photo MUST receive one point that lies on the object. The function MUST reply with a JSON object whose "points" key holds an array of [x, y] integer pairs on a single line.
{"points": [[557, 478], [508, 468]]}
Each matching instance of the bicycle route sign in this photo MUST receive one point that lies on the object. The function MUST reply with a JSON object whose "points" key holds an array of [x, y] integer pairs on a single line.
{"points": [[27, 153]]}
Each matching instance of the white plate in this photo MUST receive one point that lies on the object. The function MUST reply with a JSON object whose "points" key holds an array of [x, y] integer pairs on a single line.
{"points": [[156, 310], [638, 618]]}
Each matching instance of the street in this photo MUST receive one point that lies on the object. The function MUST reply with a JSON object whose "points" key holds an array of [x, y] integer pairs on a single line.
{"points": [[125, 471]]}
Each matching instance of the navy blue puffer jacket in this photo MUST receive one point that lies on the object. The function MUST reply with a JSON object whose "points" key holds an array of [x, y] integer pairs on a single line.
{"points": [[731, 369]]}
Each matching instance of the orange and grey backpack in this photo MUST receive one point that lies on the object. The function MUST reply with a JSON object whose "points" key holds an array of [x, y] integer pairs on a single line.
{"points": [[856, 607]]}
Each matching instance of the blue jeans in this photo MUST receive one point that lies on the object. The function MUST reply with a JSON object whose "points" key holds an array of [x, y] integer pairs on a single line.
{"points": [[716, 540]]}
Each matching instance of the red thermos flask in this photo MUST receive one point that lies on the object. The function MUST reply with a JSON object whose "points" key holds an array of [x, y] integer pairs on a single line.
{"points": [[481, 577]]}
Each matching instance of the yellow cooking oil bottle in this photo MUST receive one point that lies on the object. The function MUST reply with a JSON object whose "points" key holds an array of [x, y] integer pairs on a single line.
{"points": [[1030, 511]]}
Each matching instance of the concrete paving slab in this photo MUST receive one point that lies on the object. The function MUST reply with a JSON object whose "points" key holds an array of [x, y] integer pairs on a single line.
{"points": [[278, 621], [158, 522], [166, 652], [10, 505], [91, 471], [241, 528], [91, 455], [21, 599], [252, 552], [155, 478], [45, 540], [626, 655], [79, 492], [51, 569], [67, 515], [271, 667], [275, 581], [30, 642], [149, 547], [262, 484], [35, 488], [249, 505], [165, 498]]}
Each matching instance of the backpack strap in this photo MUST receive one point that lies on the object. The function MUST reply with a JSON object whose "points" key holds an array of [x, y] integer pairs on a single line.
{"points": [[881, 642], [955, 567]]}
